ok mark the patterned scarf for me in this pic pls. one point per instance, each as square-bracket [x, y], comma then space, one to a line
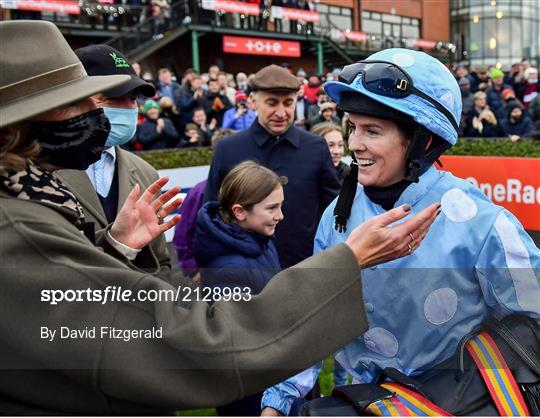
[32, 183]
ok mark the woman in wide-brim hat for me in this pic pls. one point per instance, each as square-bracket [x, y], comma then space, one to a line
[48, 121]
[86, 329]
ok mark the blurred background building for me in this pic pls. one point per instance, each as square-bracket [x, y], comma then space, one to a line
[193, 33]
[495, 32]
[329, 33]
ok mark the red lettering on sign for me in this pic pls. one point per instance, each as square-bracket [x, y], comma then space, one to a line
[513, 183]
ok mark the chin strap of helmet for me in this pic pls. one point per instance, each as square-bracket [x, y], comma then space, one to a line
[342, 210]
[418, 158]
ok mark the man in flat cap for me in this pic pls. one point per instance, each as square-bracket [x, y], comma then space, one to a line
[105, 185]
[275, 142]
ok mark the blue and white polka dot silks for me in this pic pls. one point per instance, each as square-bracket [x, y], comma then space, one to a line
[475, 260]
[428, 75]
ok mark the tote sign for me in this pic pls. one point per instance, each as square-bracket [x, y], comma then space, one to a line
[260, 46]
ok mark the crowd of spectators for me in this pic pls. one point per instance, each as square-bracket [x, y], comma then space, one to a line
[119, 14]
[262, 22]
[498, 103]
[162, 15]
[188, 109]
[168, 12]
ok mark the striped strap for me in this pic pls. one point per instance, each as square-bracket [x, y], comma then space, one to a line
[405, 403]
[497, 376]
[391, 407]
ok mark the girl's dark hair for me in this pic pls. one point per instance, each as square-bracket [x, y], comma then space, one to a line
[247, 184]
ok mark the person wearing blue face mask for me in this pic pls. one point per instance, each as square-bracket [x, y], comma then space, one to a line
[105, 185]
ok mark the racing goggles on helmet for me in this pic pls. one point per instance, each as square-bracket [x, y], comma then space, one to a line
[387, 79]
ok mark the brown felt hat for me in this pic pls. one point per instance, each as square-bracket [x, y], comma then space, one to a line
[40, 71]
[275, 78]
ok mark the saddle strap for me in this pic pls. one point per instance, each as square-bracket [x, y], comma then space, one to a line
[497, 376]
[405, 403]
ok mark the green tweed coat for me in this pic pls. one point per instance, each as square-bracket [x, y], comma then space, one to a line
[206, 356]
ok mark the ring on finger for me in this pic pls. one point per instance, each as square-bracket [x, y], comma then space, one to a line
[412, 237]
[160, 218]
[410, 247]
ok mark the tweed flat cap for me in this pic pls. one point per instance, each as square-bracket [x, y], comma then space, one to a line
[274, 78]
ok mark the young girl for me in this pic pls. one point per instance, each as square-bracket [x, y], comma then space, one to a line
[233, 242]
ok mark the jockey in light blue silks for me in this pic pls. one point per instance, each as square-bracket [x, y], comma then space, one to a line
[476, 260]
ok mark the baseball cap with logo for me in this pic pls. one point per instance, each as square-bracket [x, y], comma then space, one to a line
[105, 60]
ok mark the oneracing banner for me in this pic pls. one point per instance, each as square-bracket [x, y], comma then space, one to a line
[510, 182]
[260, 46]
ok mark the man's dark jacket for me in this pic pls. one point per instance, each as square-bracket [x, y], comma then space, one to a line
[151, 139]
[522, 127]
[184, 101]
[495, 100]
[302, 157]
[208, 101]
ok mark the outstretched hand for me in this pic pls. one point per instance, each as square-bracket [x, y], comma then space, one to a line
[140, 220]
[374, 241]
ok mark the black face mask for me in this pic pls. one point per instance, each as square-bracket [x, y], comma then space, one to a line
[73, 143]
